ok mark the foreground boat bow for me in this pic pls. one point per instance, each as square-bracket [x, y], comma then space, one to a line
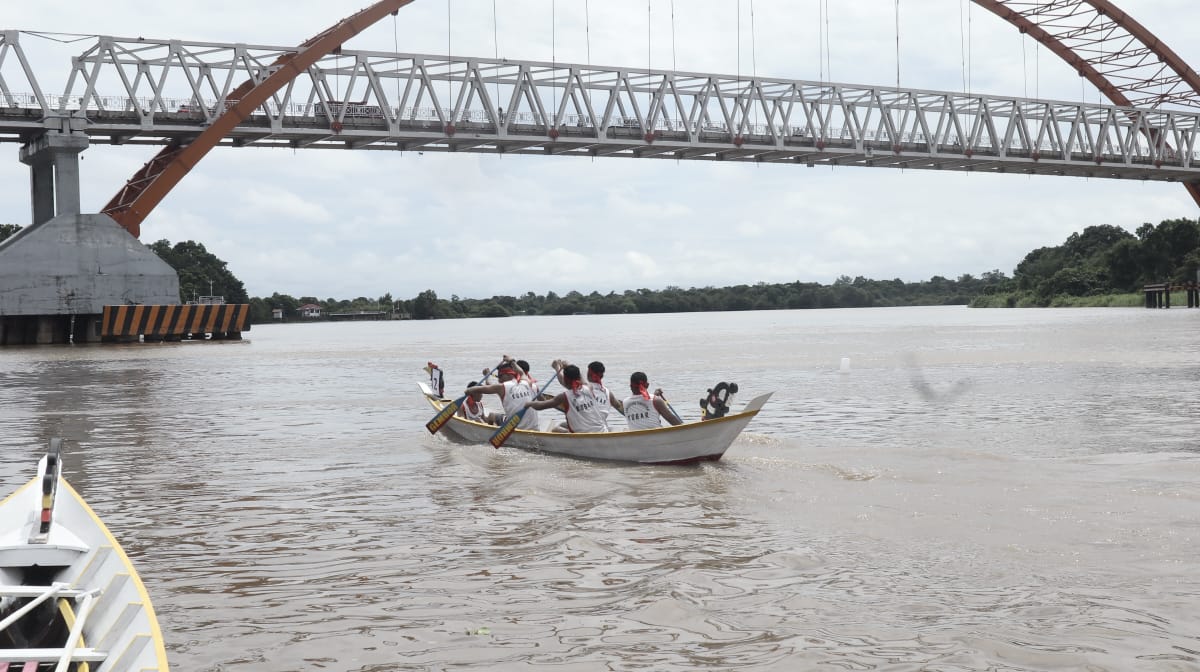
[69, 597]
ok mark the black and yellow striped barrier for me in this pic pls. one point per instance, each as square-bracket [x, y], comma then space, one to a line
[217, 321]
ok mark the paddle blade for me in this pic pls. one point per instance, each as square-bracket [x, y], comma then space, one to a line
[443, 416]
[501, 435]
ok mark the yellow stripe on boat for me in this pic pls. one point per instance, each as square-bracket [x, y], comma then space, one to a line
[156, 632]
[68, 614]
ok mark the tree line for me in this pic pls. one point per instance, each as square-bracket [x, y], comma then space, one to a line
[845, 292]
[1101, 260]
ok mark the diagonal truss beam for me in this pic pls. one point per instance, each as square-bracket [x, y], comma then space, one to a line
[154, 181]
[12, 53]
[378, 100]
[1109, 48]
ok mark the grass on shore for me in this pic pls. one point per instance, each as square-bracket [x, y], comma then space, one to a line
[1028, 300]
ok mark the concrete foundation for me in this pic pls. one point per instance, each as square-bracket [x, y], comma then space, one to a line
[58, 274]
[56, 277]
[49, 330]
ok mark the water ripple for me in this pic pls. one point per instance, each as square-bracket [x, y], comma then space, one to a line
[288, 511]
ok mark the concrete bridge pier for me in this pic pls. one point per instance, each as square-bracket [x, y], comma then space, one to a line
[58, 273]
[57, 276]
[53, 160]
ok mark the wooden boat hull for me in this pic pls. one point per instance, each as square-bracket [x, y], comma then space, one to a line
[681, 444]
[84, 580]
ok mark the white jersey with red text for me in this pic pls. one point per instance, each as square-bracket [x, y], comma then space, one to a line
[584, 412]
[603, 397]
[640, 413]
[516, 393]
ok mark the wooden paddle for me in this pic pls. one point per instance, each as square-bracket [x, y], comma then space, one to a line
[669, 406]
[510, 425]
[443, 416]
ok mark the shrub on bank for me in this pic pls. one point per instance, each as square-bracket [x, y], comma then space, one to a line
[1030, 300]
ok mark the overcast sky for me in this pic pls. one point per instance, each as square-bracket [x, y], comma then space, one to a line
[342, 224]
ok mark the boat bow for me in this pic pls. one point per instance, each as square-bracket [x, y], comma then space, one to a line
[68, 593]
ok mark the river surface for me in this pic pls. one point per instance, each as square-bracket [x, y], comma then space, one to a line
[977, 490]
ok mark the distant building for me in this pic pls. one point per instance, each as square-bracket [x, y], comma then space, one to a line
[310, 311]
[277, 314]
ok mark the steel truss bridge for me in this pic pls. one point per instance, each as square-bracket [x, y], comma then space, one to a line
[179, 93]
[137, 91]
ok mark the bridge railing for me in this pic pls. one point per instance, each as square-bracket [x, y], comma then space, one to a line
[359, 113]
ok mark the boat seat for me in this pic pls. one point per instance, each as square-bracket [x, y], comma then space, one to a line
[43, 556]
[69, 651]
[34, 591]
[26, 656]
[61, 548]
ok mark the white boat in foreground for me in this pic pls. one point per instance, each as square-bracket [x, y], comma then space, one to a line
[681, 444]
[70, 600]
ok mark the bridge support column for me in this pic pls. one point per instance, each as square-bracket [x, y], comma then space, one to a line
[53, 161]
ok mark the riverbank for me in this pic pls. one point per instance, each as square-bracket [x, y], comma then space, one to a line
[1029, 300]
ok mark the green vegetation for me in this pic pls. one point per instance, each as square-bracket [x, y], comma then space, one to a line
[200, 272]
[1104, 265]
[262, 307]
[843, 293]
[1063, 301]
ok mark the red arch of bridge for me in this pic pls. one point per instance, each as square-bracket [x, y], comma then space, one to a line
[154, 181]
[1181, 84]
[150, 185]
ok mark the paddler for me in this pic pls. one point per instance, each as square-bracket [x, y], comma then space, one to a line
[579, 400]
[513, 390]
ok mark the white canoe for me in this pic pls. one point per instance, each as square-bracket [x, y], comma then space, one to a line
[680, 444]
[69, 597]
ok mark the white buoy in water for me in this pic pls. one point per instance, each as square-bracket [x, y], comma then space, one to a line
[845, 365]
